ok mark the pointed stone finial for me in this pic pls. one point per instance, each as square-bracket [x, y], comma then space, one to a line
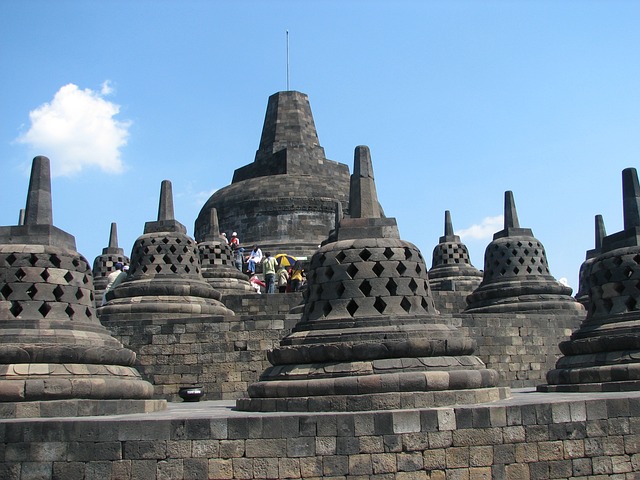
[165, 208]
[510, 213]
[448, 225]
[363, 198]
[21, 217]
[630, 198]
[214, 227]
[38, 210]
[600, 231]
[113, 236]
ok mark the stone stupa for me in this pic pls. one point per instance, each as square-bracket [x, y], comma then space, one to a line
[56, 359]
[603, 354]
[164, 279]
[218, 265]
[284, 201]
[369, 337]
[451, 267]
[516, 273]
[104, 264]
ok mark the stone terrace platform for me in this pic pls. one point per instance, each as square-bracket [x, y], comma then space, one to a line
[530, 436]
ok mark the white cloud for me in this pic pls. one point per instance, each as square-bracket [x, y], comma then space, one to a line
[484, 230]
[77, 129]
[201, 197]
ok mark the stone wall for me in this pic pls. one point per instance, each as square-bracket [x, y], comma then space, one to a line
[226, 354]
[223, 354]
[521, 347]
[540, 437]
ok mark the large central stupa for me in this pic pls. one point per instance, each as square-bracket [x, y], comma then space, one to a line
[285, 200]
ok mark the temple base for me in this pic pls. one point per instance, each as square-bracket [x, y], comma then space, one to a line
[78, 408]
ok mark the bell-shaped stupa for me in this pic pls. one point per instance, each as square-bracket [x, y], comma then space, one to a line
[516, 274]
[164, 278]
[451, 267]
[583, 290]
[284, 201]
[218, 262]
[104, 264]
[56, 359]
[369, 337]
[604, 353]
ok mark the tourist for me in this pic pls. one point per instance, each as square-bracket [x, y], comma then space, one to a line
[234, 242]
[269, 265]
[113, 280]
[224, 237]
[297, 276]
[254, 258]
[239, 258]
[283, 279]
[256, 283]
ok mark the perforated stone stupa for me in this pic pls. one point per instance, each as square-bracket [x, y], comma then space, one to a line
[451, 267]
[285, 200]
[369, 337]
[164, 278]
[104, 264]
[583, 279]
[604, 353]
[218, 265]
[56, 359]
[516, 273]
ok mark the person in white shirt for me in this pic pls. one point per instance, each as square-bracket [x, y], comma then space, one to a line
[254, 258]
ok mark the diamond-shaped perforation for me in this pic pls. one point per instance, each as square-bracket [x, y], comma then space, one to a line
[58, 292]
[413, 286]
[627, 271]
[365, 288]
[11, 258]
[20, 274]
[158, 268]
[75, 262]
[55, 260]
[424, 304]
[352, 307]
[340, 256]
[608, 304]
[418, 269]
[378, 269]
[32, 291]
[319, 291]
[173, 249]
[631, 304]
[329, 272]
[407, 253]
[178, 241]
[79, 294]
[388, 253]
[340, 289]
[392, 287]
[365, 254]
[619, 287]
[352, 270]
[379, 305]
[44, 309]
[69, 311]
[159, 249]
[15, 309]
[88, 312]
[6, 290]
[401, 268]
[45, 275]
[165, 240]
[405, 304]
[68, 277]
[326, 309]
[33, 259]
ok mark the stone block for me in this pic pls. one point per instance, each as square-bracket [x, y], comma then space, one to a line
[299, 447]
[457, 457]
[360, 465]
[325, 446]
[517, 472]
[169, 469]
[383, 463]
[60, 471]
[220, 469]
[268, 447]
[481, 456]
[231, 448]
[266, 468]
[289, 468]
[406, 421]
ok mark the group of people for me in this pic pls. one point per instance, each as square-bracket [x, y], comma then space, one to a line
[287, 278]
[115, 278]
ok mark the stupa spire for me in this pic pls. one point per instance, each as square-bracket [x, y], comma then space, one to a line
[630, 198]
[600, 231]
[448, 224]
[363, 197]
[21, 217]
[113, 236]
[510, 212]
[165, 207]
[38, 210]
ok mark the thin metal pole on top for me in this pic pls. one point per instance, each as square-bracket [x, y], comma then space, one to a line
[287, 60]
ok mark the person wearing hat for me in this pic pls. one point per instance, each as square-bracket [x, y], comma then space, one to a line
[114, 279]
[224, 237]
[234, 243]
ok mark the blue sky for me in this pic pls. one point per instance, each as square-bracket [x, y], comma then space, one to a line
[458, 101]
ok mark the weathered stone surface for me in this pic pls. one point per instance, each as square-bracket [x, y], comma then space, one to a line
[451, 268]
[53, 349]
[164, 279]
[602, 355]
[516, 274]
[285, 200]
[369, 337]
